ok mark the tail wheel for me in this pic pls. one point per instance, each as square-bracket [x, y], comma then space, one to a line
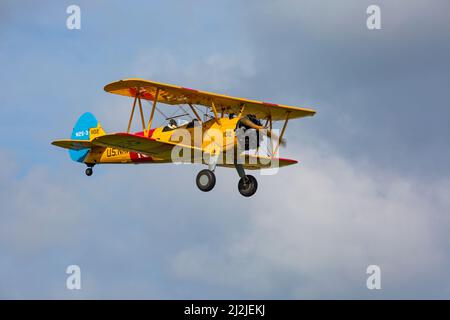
[206, 180]
[248, 185]
[89, 171]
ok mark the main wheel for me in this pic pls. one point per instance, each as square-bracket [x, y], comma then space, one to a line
[89, 172]
[206, 180]
[248, 185]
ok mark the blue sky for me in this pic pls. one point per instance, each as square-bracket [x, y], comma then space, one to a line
[371, 187]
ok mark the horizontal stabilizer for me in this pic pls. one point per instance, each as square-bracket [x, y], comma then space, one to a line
[73, 144]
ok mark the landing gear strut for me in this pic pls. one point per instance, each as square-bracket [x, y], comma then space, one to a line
[206, 180]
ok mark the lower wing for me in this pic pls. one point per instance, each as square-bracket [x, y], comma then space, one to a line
[255, 162]
[152, 147]
[133, 143]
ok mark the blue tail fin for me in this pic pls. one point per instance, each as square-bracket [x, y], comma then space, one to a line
[82, 131]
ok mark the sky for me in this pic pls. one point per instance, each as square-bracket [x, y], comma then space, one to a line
[371, 187]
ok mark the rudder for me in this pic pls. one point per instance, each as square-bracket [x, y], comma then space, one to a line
[87, 127]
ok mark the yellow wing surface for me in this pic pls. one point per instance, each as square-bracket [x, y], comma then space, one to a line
[133, 143]
[255, 162]
[173, 95]
[151, 147]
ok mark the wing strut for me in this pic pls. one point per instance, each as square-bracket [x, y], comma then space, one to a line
[281, 135]
[195, 112]
[270, 130]
[216, 116]
[149, 125]
[132, 113]
[142, 114]
[241, 110]
[137, 99]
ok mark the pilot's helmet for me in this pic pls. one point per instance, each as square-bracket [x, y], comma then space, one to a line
[172, 123]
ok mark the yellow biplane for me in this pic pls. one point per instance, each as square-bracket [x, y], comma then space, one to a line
[213, 129]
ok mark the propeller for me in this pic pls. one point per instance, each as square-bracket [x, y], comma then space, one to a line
[247, 122]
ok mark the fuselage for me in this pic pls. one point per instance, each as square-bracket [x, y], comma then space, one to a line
[210, 136]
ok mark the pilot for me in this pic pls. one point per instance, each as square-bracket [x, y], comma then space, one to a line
[172, 124]
[193, 123]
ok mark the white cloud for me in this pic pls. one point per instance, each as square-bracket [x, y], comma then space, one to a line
[309, 232]
[37, 210]
[345, 19]
[315, 229]
[207, 71]
[218, 72]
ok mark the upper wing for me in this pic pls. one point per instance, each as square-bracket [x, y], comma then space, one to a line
[171, 94]
[73, 144]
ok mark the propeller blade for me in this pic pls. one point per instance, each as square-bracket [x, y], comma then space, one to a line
[247, 122]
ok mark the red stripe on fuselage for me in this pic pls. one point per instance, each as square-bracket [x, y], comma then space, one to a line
[142, 134]
[139, 157]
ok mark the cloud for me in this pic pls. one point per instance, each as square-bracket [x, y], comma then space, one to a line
[220, 72]
[387, 87]
[378, 196]
[309, 232]
[312, 235]
[346, 19]
[214, 70]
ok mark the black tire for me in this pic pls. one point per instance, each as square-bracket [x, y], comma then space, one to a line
[89, 172]
[248, 185]
[206, 180]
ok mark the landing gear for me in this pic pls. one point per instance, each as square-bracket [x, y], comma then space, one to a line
[247, 185]
[206, 180]
[89, 170]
